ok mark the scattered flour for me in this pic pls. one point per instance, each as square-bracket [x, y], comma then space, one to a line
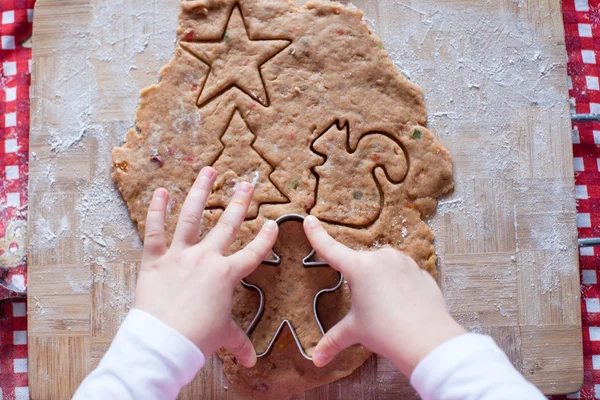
[487, 77]
[100, 69]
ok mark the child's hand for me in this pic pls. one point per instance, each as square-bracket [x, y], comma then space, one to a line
[190, 285]
[397, 308]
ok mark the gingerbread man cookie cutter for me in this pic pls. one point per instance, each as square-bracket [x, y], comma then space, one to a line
[286, 322]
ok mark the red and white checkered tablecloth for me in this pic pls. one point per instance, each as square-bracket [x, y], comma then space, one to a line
[582, 36]
[13, 352]
[16, 17]
[15, 71]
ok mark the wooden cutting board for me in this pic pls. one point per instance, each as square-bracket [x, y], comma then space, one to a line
[495, 83]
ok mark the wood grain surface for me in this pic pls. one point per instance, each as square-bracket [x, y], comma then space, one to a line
[494, 78]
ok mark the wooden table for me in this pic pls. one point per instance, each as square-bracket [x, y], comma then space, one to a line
[496, 88]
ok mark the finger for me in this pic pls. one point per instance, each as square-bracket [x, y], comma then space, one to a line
[223, 234]
[240, 346]
[333, 252]
[335, 340]
[246, 260]
[155, 244]
[190, 217]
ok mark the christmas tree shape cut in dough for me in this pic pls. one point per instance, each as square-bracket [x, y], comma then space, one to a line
[238, 144]
[235, 61]
[354, 169]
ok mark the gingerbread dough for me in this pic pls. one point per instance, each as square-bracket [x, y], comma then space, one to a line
[305, 104]
[289, 290]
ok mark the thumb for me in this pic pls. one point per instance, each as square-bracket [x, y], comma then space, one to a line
[338, 338]
[239, 344]
[333, 252]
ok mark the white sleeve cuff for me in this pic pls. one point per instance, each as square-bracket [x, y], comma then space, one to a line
[147, 360]
[160, 338]
[447, 358]
[470, 366]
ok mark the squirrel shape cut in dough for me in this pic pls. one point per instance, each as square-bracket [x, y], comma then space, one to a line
[360, 203]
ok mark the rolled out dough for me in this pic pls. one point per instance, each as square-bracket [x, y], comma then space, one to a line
[305, 104]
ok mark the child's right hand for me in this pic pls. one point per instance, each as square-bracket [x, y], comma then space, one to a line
[397, 310]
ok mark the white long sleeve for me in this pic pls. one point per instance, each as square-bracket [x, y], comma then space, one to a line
[151, 361]
[148, 360]
[470, 367]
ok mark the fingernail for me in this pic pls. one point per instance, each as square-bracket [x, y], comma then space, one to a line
[160, 193]
[319, 358]
[311, 220]
[252, 362]
[270, 225]
[245, 187]
[207, 172]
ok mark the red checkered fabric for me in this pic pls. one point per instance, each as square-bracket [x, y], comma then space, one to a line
[15, 70]
[582, 36]
[13, 351]
[586, 153]
[16, 17]
[583, 49]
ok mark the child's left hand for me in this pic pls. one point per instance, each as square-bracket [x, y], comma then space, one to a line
[190, 285]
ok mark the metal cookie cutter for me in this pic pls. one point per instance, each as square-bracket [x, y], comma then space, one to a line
[261, 308]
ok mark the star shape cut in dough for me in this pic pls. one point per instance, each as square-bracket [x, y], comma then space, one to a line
[234, 61]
